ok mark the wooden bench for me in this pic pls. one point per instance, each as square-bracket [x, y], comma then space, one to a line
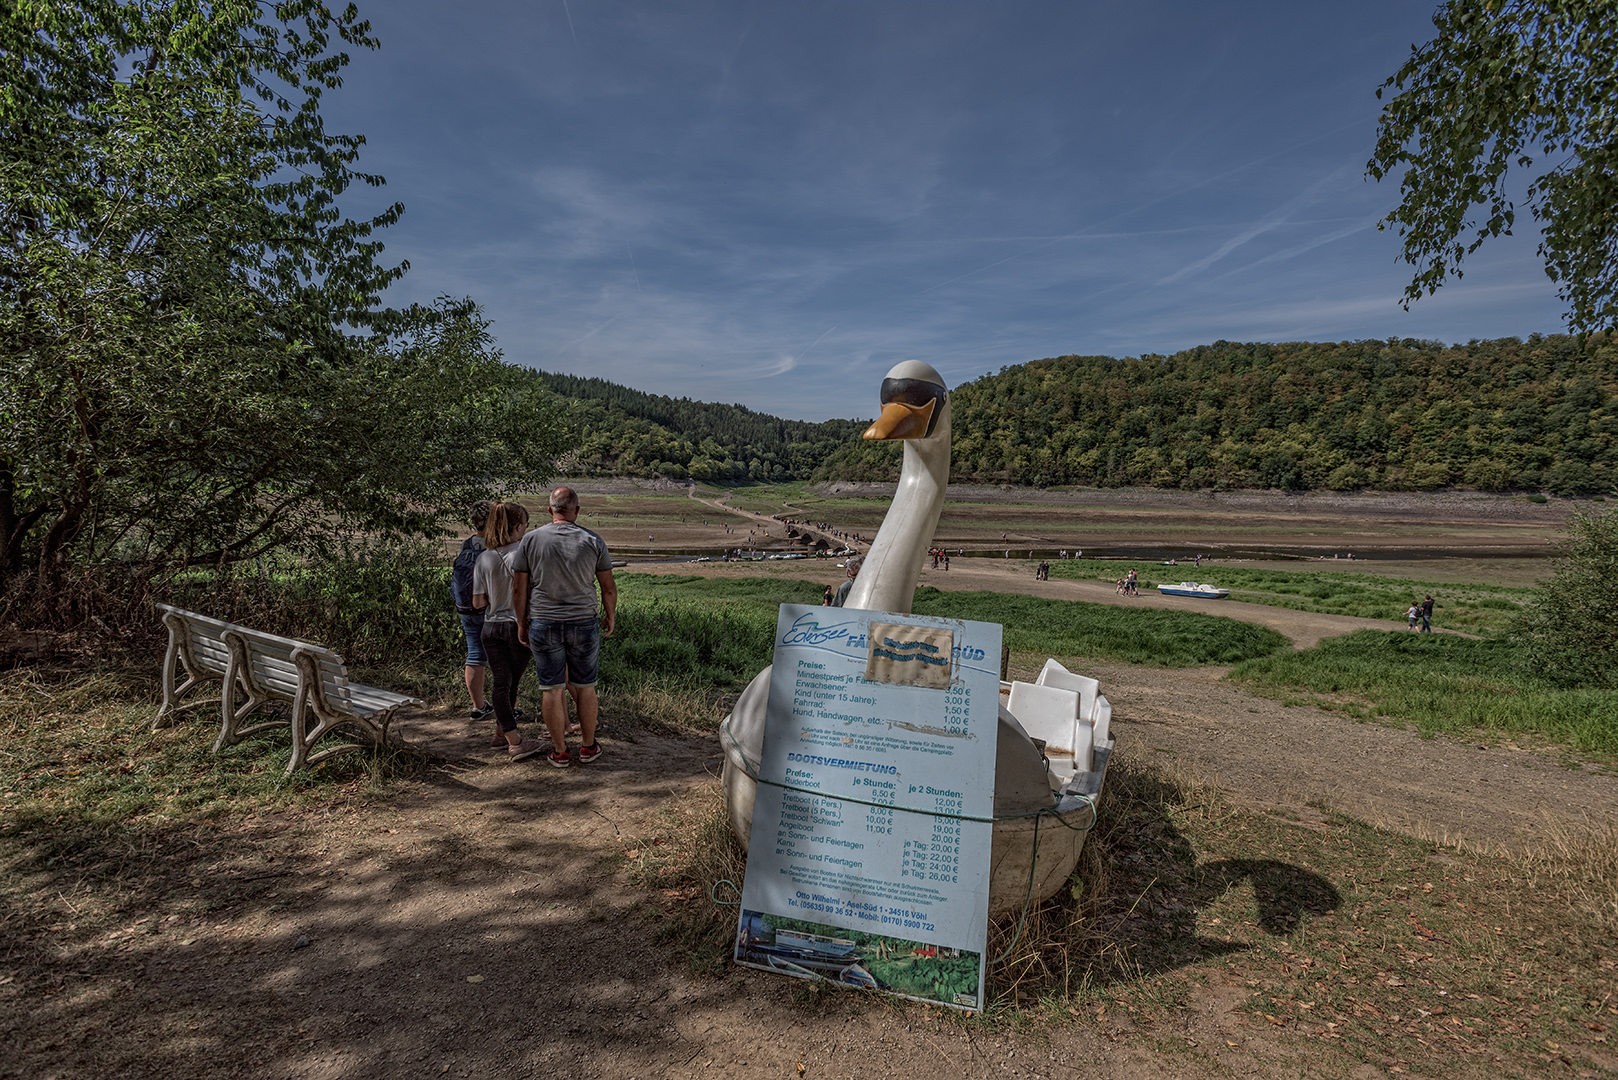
[254, 669]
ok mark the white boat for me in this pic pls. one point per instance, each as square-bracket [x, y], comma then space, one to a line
[1191, 588]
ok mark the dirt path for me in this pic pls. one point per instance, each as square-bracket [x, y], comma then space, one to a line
[1493, 795]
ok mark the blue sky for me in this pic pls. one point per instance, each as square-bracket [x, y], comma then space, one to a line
[772, 203]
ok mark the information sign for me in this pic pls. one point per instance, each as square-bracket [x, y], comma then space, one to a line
[868, 863]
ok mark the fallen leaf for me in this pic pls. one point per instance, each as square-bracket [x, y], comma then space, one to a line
[474, 978]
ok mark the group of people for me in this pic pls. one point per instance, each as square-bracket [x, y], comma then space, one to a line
[1129, 585]
[532, 595]
[940, 557]
[1042, 572]
[1420, 611]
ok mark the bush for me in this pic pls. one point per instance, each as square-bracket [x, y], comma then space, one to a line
[385, 604]
[1569, 632]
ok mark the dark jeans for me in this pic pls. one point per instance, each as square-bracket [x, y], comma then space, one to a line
[507, 659]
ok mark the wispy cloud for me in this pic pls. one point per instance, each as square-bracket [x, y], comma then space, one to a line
[1281, 215]
[1300, 249]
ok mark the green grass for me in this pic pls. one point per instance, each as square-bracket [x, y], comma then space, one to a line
[79, 749]
[1477, 609]
[1441, 683]
[1060, 628]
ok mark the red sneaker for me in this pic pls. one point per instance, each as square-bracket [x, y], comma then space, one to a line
[560, 760]
[589, 753]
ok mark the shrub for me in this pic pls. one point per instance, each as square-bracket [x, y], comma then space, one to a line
[1569, 632]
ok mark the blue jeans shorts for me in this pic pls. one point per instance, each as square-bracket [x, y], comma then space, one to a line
[565, 652]
[472, 630]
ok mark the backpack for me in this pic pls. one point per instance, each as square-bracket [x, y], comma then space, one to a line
[460, 578]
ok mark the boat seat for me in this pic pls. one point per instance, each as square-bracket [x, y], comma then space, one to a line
[1051, 715]
[1054, 674]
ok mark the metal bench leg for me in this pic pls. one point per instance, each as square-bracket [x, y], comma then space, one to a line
[176, 658]
[238, 678]
[313, 717]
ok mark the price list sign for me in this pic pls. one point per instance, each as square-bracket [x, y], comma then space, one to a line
[868, 863]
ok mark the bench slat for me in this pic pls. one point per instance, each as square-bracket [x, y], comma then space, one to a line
[373, 698]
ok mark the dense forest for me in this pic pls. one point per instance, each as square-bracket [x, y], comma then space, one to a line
[1540, 414]
[622, 432]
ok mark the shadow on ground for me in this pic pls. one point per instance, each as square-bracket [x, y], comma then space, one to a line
[476, 923]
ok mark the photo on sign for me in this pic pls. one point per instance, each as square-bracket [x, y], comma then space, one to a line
[810, 950]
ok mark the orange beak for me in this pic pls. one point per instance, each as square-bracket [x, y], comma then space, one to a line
[900, 421]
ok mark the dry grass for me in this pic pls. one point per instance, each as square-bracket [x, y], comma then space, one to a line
[692, 866]
[1581, 858]
[667, 706]
[1374, 946]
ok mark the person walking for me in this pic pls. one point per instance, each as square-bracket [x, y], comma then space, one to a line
[556, 570]
[507, 657]
[1427, 615]
[1412, 613]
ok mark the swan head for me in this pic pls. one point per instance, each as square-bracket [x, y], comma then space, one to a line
[914, 399]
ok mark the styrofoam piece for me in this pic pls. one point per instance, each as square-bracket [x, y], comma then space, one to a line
[1054, 674]
[1083, 744]
[1047, 713]
[1103, 725]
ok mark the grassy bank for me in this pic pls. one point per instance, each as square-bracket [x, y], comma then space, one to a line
[1440, 683]
[1475, 609]
[1060, 628]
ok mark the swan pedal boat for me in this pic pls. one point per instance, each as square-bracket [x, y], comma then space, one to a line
[1191, 588]
[1053, 737]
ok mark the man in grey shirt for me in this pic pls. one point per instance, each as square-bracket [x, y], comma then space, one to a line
[853, 565]
[555, 572]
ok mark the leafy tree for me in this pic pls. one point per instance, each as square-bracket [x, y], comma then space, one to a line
[1531, 83]
[197, 368]
[1399, 415]
[1570, 630]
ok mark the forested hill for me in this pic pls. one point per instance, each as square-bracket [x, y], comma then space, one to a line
[1493, 415]
[623, 432]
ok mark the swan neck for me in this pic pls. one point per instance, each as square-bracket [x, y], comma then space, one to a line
[887, 581]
